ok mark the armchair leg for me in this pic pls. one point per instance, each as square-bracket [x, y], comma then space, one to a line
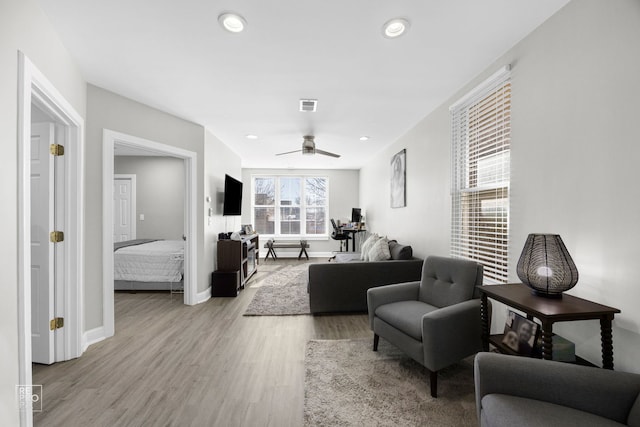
[434, 383]
[376, 340]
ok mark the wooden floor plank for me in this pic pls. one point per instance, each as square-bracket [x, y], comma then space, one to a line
[174, 365]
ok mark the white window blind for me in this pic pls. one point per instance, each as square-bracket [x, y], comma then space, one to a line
[481, 139]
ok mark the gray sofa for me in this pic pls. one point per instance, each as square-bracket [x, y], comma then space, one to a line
[521, 391]
[341, 285]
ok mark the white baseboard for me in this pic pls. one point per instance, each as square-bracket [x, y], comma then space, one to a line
[93, 336]
[203, 296]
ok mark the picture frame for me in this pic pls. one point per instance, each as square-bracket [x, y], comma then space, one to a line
[520, 334]
[398, 179]
[247, 229]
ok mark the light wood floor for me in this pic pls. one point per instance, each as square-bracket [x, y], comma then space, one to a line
[174, 365]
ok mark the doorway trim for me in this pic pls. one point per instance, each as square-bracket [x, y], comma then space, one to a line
[34, 87]
[110, 138]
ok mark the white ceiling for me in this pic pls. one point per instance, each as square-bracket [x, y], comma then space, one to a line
[174, 56]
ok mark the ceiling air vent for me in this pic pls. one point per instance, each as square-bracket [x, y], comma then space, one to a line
[308, 105]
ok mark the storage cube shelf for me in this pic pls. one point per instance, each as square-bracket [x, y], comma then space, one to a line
[237, 256]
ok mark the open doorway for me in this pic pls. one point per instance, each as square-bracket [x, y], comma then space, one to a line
[148, 222]
[111, 140]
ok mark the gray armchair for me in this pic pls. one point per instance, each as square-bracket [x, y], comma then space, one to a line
[436, 320]
[521, 391]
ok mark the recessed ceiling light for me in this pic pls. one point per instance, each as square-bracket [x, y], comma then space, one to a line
[251, 136]
[395, 28]
[364, 138]
[232, 22]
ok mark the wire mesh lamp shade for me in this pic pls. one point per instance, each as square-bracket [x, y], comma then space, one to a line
[546, 266]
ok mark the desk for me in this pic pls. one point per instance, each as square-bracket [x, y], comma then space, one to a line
[353, 231]
[548, 311]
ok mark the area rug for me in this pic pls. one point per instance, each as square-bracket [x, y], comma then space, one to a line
[348, 384]
[281, 277]
[283, 293]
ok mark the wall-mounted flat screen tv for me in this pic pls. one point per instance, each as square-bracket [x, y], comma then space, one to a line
[232, 204]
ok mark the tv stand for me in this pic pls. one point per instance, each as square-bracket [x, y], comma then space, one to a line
[239, 255]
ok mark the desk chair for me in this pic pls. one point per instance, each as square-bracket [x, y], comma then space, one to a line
[339, 235]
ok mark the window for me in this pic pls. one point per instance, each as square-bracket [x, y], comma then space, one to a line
[290, 205]
[481, 140]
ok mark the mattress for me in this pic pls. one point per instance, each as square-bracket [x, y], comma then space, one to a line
[155, 261]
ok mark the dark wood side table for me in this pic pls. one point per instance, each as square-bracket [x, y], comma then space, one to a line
[548, 311]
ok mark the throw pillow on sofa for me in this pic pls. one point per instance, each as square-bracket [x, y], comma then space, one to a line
[399, 251]
[367, 245]
[380, 250]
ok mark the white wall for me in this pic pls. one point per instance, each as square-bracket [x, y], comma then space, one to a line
[424, 222]
[575, 145]
[344, 194]
[160, 195]
[23, 27]
[220, 160]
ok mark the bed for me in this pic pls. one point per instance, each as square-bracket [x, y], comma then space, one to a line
[148, 264]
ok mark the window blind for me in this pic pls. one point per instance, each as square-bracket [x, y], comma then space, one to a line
[481, 140]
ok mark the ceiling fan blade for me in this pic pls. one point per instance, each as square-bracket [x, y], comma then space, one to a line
[289, 152]
[326, 153]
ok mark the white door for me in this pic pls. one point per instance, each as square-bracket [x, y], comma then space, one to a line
[124, 214]
[42, 250]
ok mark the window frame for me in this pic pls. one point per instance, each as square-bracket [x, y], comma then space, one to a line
[475, 234]
[277, 206]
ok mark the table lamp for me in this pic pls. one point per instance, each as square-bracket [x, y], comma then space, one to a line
[546, 266]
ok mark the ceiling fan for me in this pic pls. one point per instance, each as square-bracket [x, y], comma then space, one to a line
[309, 147]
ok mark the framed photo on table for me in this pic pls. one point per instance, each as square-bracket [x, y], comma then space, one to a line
[520, 333]
[247, 229]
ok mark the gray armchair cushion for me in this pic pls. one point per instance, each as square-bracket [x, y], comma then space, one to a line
[448, 281]
[501, 410]
[600, 392]
[388, 294]
[405, 316]
[399, 251]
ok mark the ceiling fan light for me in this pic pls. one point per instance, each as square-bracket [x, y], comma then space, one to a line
[308, 145]
[395, 28]
[232, 22]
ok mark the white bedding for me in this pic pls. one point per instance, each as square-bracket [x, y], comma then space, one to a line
[159, 261]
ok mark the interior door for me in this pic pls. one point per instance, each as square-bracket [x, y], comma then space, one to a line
[42, 250]
[123, 214]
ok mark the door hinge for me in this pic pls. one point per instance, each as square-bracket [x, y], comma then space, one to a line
[56, 236]
[56, 149]
[56, 323]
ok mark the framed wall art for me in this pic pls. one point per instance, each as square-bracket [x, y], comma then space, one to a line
[398, 179]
